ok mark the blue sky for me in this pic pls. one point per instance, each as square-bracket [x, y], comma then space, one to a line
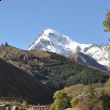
[22, 20]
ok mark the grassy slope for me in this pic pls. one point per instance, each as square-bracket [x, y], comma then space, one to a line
[79, 89]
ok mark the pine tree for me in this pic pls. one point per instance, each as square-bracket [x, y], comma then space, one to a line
[6, 44]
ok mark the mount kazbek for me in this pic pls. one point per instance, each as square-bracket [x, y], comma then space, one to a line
[53, 41]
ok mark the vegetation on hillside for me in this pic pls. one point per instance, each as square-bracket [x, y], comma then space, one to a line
[61, 74]
[92, 97]
[55, 71]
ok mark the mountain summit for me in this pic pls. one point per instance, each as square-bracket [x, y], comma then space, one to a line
[53, 41]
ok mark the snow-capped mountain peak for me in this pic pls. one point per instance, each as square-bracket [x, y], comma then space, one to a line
[53, 41]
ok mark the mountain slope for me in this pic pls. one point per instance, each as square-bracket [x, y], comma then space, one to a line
[53, 41]
[87, 60]
[53, 70]
[16, 82]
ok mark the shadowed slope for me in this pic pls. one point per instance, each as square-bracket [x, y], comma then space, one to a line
[15, 82]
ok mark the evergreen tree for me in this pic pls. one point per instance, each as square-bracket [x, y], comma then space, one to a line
[6, 44]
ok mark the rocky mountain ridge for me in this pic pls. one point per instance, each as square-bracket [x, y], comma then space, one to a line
[52, 41]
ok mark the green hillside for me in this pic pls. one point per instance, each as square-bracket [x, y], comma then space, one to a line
[55, 71]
